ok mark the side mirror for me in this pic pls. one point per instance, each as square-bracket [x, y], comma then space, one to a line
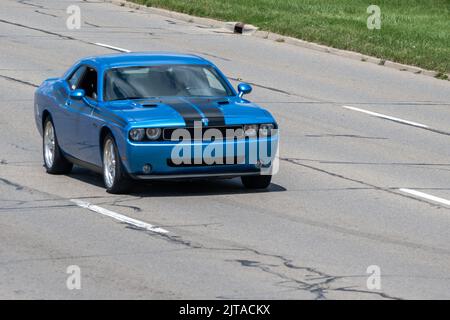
[77, 94]
[244, 88]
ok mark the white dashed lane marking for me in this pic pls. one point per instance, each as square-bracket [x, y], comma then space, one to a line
[426, 196]
[386, 117]
[118, 216]
[111, 47]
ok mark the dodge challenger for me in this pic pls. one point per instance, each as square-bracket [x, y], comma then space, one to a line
[144, 116]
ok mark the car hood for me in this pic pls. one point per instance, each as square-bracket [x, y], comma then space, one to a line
[181, 111]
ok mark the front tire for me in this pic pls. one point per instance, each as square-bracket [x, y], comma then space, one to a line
[115, 178]
[256, 182]
[54, 160]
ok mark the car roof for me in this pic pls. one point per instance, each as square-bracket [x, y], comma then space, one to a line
[142, 58]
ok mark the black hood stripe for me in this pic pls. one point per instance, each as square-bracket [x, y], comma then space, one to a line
[211, 110]
[196, 109]
[188, 112]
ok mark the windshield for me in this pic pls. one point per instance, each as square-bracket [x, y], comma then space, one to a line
[164, 81]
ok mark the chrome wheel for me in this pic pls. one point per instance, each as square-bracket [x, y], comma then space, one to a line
[49, 144]
[109, 163]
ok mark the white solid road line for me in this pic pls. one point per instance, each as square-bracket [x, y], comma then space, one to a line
[119, 217]
[425, 196]
[111, 47]
[383, 116]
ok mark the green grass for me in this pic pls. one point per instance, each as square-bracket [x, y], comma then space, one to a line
[415, 32]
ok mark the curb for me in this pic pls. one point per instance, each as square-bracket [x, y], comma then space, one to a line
[249, 30]
[344, 53]
[169, 14]
[233, 27]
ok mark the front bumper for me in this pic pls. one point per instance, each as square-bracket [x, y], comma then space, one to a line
[160, 156]
[195, 175]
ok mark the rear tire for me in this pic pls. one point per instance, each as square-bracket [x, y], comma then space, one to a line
[256, 182]
[115, 178]
[54, 160]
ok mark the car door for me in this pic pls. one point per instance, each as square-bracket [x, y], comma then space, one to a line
[87, 126]
[67, 114]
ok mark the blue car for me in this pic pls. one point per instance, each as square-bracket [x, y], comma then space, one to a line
[145, 116]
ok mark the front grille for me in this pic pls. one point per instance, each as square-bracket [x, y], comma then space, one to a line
[223, 161]
[167, 133]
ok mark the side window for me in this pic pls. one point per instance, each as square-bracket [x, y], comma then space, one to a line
[76, 76]
[89, 83]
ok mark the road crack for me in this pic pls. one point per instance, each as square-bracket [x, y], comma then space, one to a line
[312, 280]
[19, 81]
[59, 35]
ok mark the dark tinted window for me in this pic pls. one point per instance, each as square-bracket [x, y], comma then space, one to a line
[89, 83]
[75, 77]
[163, 81]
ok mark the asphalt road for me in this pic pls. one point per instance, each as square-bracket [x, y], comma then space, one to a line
[336, 207]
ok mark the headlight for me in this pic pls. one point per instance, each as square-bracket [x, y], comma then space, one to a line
[153, 133]
[137, 134]
[250, 130]
[266, 129]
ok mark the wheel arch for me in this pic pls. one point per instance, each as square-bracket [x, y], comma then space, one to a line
[119, 142]
[45, 114]
[104, 131]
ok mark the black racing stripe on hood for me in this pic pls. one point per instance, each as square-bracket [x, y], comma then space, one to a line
[188, 112]
[211, 110]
